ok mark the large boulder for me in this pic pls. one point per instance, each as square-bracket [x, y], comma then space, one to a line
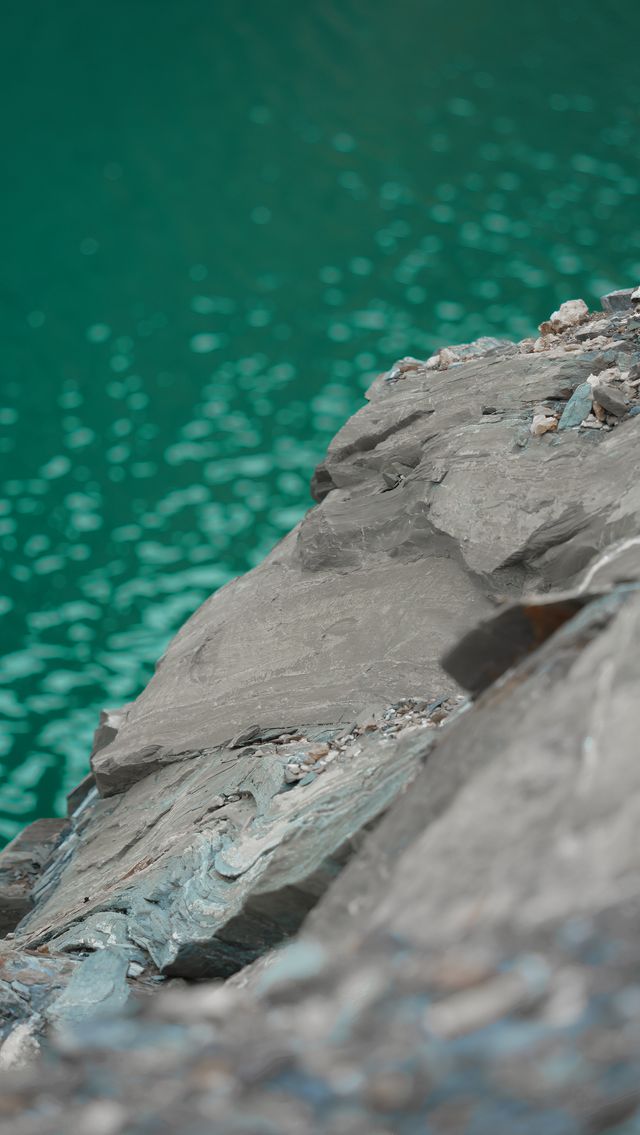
[434, 498]
[408, 737]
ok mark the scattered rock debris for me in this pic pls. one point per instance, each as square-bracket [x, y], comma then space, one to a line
[308, 760]
[612, 391]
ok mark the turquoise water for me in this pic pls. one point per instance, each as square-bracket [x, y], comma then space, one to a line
[220, 221]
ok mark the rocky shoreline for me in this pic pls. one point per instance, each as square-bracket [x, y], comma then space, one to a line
[380, 795]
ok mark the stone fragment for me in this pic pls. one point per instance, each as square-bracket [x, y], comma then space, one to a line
[317, 750]
[617, 301]
[447, 357]
[28, 982]
[591, 330]
[635, 296]
[542, 424]
[98, 987]
[612, 399]
[109, 723]
[604, 360]
[404, 367]
[251, 733]
[20, 1048]
[484, 347]
[577, 408]
[545, 763]
[568, 315]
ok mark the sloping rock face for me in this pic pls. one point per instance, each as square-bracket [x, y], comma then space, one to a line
[463, 871]
[434, 498]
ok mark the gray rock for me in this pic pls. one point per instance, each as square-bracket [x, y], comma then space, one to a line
[97, 987]
[463, 881]
[592, 330]
[28, 983]
[617, 301]
[611, 398]
[483, 347]
[108, 726]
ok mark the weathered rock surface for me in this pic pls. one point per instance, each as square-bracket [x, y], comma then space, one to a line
[355, 606]
[474, 967]
[196, 882]
[463, 875]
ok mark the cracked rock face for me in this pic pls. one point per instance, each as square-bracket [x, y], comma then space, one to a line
[304, 757]
[473, 968]
[204, 865]
[356, 605]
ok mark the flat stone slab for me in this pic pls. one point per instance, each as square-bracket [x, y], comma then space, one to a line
[357, 604]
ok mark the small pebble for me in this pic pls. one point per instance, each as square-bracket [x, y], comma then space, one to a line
[318, 750]
[542, 424]
[446, 357]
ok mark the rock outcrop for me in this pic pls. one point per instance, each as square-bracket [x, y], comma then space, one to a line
[407, 745]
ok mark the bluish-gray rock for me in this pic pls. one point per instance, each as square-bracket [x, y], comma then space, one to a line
[577, 408]
[610, 397]
[98, 986]
[173, 875]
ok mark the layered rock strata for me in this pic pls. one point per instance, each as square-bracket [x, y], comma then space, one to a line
[410, 736]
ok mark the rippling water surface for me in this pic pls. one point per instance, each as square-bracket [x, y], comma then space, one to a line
[221, 219]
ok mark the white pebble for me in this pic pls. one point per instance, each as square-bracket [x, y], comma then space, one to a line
[542, 424]
[568, 314]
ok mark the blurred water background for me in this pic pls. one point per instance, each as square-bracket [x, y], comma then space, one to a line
[221, 219]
